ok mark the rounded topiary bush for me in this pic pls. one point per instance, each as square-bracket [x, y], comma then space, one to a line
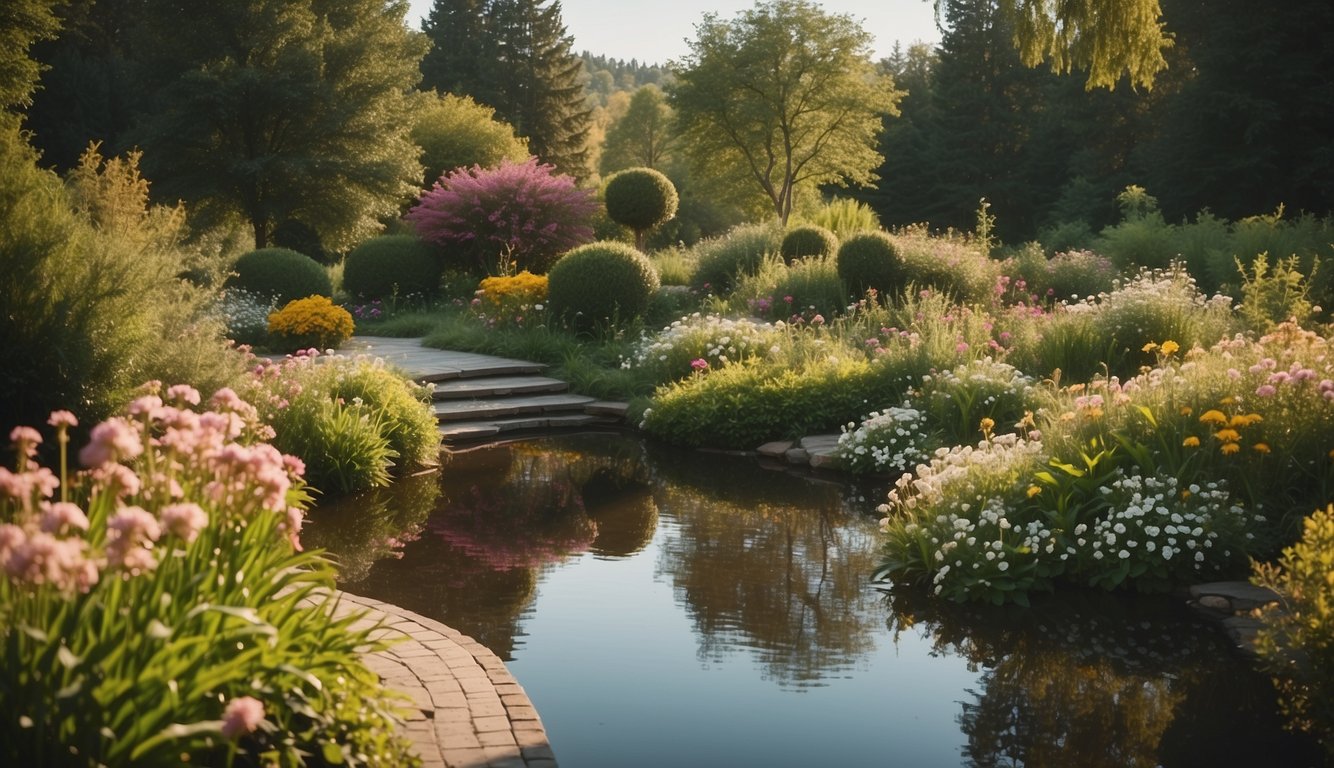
[870, 260]
[808, 240]
[281, 274]
[641, 199]
[601, 282]
[391, 265]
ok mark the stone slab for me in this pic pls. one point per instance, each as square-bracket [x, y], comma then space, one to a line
[775, 450]
[490, 408]
[1243, 595]
[497, 386]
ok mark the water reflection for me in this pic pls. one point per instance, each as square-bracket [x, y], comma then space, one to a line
[693, 581]
[1102, 680]
[770, 562]
[364, 529]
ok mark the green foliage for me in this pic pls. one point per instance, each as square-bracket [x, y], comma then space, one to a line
[956, 401]
[91, 303]
[642, 136]
[676, 266]
[457, 132]
[351, 421]
[1108, 39]
[174, 609]
[391, 265]
[777, 291]
[225, 82]
[722, 262]
[601, 283]
[301, 237]
[844, 217]
[871, 261]
[641, 199]
[807, 240]
[1296, 642]
[282, 274]
[785, 94]
[1273, 294]
[23, 23]
[948, 264]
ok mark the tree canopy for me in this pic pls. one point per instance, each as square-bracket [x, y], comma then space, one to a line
[282, 110]
[642, 136]
[786, 95]
[22, 23]
[457, 132]
[515, 56]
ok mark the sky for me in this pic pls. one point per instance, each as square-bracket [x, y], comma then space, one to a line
[656, 32]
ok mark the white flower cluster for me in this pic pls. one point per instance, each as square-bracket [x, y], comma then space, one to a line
[892, 440]
[246, 313]
[713, 338]
[1173, 530]
[977, 388]
[965, 476]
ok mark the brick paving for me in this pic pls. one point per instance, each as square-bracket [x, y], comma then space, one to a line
[467, 710]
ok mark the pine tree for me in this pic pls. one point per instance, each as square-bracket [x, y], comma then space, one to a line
[522, 65]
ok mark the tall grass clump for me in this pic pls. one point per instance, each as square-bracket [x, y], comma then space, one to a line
[844, 217]
[157, 607]
[946, 264]
[722, 262]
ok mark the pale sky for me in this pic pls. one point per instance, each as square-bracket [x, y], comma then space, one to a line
[656, 32]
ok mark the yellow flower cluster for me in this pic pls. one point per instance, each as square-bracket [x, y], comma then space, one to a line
[1226, 430]
[523, 288]
[314, 319]
[1167, 348]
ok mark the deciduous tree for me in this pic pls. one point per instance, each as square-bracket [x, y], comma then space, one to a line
[642, 136]
[786, 95]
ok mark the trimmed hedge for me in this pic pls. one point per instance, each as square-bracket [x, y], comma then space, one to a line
[280, 273]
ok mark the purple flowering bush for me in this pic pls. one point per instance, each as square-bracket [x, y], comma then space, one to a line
[510, 217]
[156, 606]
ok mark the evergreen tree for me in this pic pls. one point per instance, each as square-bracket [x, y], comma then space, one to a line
[456, 29]
[273, 110]
[22, 23]
[524, 68]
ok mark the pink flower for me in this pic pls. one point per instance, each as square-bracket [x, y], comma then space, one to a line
[699, 364]
[961, 347]
[817, 320]
[183, 393]
[26, 439]
[60, 515]
[62, 419]
[112, 440]
[184, 520]
[1265, 390]
[130, 533]
[242, 716]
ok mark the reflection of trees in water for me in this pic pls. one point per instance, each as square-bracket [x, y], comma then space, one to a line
[1102, 680]
[507, 512]
[768, 562]
[359, 530]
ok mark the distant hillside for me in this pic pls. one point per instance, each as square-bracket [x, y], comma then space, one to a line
[607, 76]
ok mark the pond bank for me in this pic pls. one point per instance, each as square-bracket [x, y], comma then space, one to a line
[466, 708]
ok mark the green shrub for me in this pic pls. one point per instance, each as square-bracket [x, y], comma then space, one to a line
[641, 199]
[601, 283]
[391, 265]
[675, 265]
[722, 262]
[947, 264]
[1076, 275]
[1296, 643]
[806, 288]
[806, 240]
[311, 322]
[870, 261]
[280, 273]
[352, 421]
[956, 401]
[153, 610]
[1273, 294]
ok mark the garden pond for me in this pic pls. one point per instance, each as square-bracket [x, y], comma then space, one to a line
[669, 608]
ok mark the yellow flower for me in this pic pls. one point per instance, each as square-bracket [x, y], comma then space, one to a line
[1260, 447]
[1185, 495]
[1169, 347]
[1033, 490]
[1191, 442]
[1186, 410]
[1229, 400]
[1228, 448]
[1227, 435]
[1151, 346]
[1213, 416]
[987, 425]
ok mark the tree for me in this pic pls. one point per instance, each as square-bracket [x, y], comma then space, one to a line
[22, 23]
[785, 94]
[642, 137]
[457, 132]
[641, 199]
[523, 67]
[277, 110]
[1108, 38]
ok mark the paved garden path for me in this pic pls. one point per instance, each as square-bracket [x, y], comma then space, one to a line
[467, 711]
[480, 397]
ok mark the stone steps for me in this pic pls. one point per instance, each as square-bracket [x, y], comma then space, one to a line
[500, 407]
[485, 386]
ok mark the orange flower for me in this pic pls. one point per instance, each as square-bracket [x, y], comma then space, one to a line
[1260, 447]
[1227, 435]
[1033, 490]
[1229, 448]
[1151, 346]
[1186, 410]
[1169, 347]
[1191, 442]
[1213, 416]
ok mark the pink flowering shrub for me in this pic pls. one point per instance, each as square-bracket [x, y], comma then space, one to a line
[156, 606]
[513, 216]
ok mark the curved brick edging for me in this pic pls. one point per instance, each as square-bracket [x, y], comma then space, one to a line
[467, 709]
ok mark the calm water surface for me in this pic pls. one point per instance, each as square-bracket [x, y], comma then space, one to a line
[666, 608]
